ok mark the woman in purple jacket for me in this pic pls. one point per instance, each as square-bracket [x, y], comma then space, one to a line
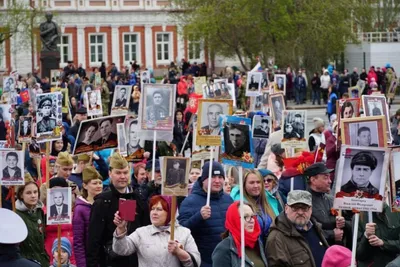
[92, 186]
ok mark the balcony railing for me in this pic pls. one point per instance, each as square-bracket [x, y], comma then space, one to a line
[379, 37]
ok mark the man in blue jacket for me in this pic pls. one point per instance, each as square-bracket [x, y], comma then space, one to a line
[206, 223]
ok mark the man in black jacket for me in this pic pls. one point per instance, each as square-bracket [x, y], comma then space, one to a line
[336, 229]
[102, 227]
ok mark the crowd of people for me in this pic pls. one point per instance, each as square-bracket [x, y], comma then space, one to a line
[284, 225]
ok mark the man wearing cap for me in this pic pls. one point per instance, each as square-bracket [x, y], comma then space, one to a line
[47, 123]
[319, 185]
[295, 238]
[298, 125]
[101, 226]
[263, 129]
[362, 166]
[206, 222]
[80, 116]
[13, 231]
[76, 177]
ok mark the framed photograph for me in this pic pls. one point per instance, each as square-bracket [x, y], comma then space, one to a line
[198, 84]
[376, 105]
[122, 147]
[12, 168]
[134, 146]
[175, 176]
[97, 134]
[277, 105]
[256, 103]
[361, 178]
[237, 144]
[59, 202]
[219, 90]
[348, 108]
[394, 167]
[48, 117]
[261, 126]
[94, 106]
[392, 88]
[208, 121]
[294, 128]
[54, 76]
[25, 129]
[157, 107]
[9, 83]
[280, 83]
[202, 153]
[5, 117]
[145, 77]
[97, 79]
[354, 91]
[365, 131]
[254, 82]
[120, 104]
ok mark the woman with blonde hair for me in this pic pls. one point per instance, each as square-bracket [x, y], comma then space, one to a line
[255, 195]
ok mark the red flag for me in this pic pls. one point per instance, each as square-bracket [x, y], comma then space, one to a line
[24, 96]
[193, 103]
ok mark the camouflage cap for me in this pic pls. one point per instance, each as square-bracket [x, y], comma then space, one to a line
[117, 161]
[90, 173]
[299, 196]
[84, 157]
[28, 177]
[64, 159]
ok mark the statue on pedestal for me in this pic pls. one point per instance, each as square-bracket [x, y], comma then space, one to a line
[50, 34]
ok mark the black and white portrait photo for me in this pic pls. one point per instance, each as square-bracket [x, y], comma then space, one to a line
[376, 105]
[175, 176]
[12, 167]
[121, 139]
[280, 83]
[277, 105]
[54, 76]
[120, 104]
[157, 107]
[237, 139]
[253, 83]
[362, 175]
[364, 134]
[93, 100]
[5, 116]
[49, 115]
[294, 126]
[145, 77]
[25, 129]
[9, 84]
[395, 178]
[59, 202]
[97, 134]
[134, 148]
[261, 126]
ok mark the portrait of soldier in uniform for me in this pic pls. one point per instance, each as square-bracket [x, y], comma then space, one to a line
[46, 120]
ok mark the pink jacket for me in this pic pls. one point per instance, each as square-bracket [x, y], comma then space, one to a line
[51, 235]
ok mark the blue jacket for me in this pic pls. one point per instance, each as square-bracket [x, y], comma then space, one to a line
[331, 108]
[299, 83]
[299, 184]
[206, 233]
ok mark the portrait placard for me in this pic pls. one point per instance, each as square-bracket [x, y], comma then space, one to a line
[97, 134]
[354, 91]
[93, 102]
[254, 83]
[25, 129]
[361, 178]
[202, 153]
[9, 84]
[12, 167]
[366, 131]
[65, 99]
[122, 96]
[220, 90]
[54, 76]
[175, 177]
[198, 84]
[395, 178]
[208, 121]
[145, 77]
[121, 139]
[59, 202]
[280, 83]
[48, 117]
[5, 116]
[261, 126]
[376, 105]
[134, 145]
[294, 129]
[277, 105]
[237, 144]
[392, 88]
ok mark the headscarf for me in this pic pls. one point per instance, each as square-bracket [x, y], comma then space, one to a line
[232, 224]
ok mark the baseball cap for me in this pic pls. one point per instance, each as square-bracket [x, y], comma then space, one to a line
[299, 196]
[317, 168]
[81, 110]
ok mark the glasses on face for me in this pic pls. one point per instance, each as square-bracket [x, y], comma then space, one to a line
[269, 180]
[249, 217]
[301, 207]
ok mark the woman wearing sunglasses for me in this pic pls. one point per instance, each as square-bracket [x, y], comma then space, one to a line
[271, 183]
[228, 252]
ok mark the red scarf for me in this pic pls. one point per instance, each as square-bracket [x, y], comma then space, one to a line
[232, 224]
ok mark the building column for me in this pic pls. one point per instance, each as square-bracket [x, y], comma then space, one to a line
[81, 45]
[115, 45]
[148, 41]
[181, 45]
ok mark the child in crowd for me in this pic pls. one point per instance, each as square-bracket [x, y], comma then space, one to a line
[66, 252]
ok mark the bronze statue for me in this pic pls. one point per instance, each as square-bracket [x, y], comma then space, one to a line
[49, 34]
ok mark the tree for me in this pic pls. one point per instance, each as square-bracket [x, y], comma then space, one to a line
[296, 32]
[387, 13]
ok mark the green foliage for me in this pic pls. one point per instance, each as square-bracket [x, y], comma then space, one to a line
[296, 32]
[387, 13]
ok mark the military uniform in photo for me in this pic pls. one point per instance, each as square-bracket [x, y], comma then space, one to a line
[155, 113]
[175, 177]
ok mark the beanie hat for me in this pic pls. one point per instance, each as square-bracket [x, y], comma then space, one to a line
[318, 122]
[337, 256]
[65, 245]
[58, 181]
[217, 169]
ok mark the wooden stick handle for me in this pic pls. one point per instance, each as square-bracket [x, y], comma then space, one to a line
[59, 245]
[47, 164]
[12, 188]
[173, 209]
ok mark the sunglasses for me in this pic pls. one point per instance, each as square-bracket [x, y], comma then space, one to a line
[269, 180]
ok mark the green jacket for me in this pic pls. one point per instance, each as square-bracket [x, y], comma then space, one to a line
[387, 229]
[33, 246]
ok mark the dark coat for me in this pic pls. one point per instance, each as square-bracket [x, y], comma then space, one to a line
[10, 257]
[80, 226]
[350, 187]
[102, 227]
[111, 137]
[17, 173]
[226, 254]
[53, 211]
[206, 233]
[287, 247]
